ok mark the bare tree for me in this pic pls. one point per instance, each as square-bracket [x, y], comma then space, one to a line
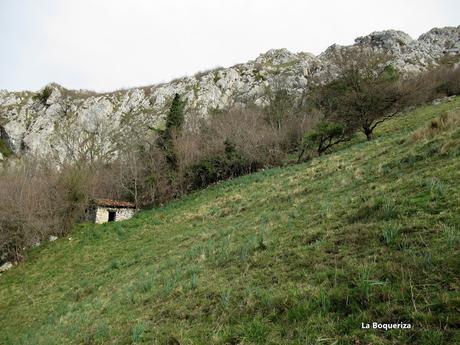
[73, 144]
[28, 205]
[281, 104]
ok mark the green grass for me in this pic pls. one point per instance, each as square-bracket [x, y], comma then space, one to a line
[296, 255]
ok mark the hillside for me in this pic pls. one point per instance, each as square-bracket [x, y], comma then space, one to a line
[295, 255]
[53, 119]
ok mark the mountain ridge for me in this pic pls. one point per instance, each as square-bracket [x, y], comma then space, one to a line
[32, 123]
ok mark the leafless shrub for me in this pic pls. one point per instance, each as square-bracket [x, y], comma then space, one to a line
[38, 200]
[434, 83]
[79, 94]
[248, 130]
[295, 127]
[200, 74]
[24, 210]
[73, 144]
[281, 104]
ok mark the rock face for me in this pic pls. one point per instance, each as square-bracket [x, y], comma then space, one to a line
[58, 122]
[5, 267]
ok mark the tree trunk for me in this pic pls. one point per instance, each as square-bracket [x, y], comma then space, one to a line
[368, 132]
[301, 154]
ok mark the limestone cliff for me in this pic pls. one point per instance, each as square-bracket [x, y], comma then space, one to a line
[55, 120]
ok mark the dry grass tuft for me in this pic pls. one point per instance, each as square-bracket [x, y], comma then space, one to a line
[443, 123]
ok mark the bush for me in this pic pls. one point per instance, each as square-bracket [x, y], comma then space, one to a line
[447, 81]
[281, 105]
[451, 86]
[294, 129]
[43, 95]
[435, 83]
[221, 167]
[249, 132]
[325, 135]
[27, 204]
[73, 196]
[37, 201]
[246, 131]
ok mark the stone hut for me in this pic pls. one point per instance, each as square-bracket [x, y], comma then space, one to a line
[107, 210]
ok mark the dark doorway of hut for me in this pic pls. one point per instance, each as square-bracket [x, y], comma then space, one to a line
[112, 216]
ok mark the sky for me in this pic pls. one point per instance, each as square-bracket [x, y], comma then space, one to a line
[105, 45]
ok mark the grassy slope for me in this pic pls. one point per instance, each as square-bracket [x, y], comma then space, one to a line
[299, 255]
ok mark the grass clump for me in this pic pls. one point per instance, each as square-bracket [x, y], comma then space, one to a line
[378, 209]
[137, 333]
[390, 234]
[444, 122]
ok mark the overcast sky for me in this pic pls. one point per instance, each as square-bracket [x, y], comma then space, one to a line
[109, 44]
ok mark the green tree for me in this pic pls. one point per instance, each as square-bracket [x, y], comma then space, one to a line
[365, 93]
[175, 116]
[174, 122]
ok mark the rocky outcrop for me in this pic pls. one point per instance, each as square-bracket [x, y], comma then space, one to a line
[58, 122]
[5, 267]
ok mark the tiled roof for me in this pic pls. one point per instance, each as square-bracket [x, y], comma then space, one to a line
[114, 203]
